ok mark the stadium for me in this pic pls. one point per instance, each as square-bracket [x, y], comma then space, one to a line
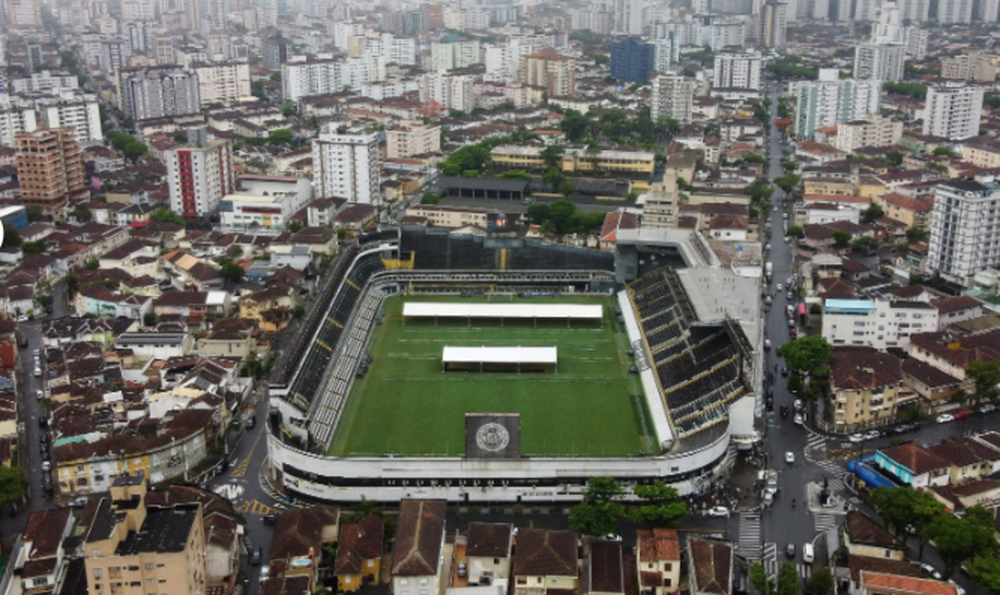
[499, 369]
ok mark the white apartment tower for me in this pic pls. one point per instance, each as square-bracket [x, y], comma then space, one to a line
[879, 61]
[672, 97]
[830, 100]
[226, 83]
[737, 71]
[773, 24]
[964, 221]
[915, 11]
[346, 164]
[988, 11]
[954, 12]
[952, 110]
[628, 17]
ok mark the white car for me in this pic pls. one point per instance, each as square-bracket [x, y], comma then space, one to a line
[945, 418]
[930, 570]
[718, 511]
[778, 286]
[855, 438]
[958, 588]
[790, 457]
[798, 419]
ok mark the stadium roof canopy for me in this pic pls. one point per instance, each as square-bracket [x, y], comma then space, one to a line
[499, 355]
[527, 311]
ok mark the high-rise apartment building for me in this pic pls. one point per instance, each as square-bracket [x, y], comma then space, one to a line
[879, 61]
[199, 176]
[632, 60]
[952, 110]
[964, 221]
[454, 91]
[831, 100]
[276, 50]
[24, 14]
[226, 82]
[159, 91]
[989, 11]
[132, 548]
[665, 53]
[874, 131]
[914, 11]
[346, 164]
[773, 24]
[50, 168]
[954, 12]
[628, 17]
[71, 109]
[672, 97]
[723, 33]
[551, 70]
[737, 70]
[323, 77]
[971, 67]
[915, 42]
[460, 54]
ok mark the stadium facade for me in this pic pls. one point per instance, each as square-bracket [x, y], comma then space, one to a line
[693, 325]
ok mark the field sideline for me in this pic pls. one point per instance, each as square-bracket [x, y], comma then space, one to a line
[407, 405]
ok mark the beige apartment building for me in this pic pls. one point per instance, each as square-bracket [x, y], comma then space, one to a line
[50, 168]
[132, 549]
[976, 67]
[984, 154]
[551, 70]
[874, 131]
[410, 140]
[225, 83]
[866, 384]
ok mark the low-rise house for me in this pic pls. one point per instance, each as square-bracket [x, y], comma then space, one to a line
[359, 553]
[866, 387]
[192, 270]
[873, 583]
[984, 492]
[913, 465]
[488, 550]
[418, 555]
[970, 460]
[147, 345]
[933, 385]
[605, 569]
[40, 561]
[856, 564]
[957, 309]
[299, 537]
[879, 324]
[230, 339]
[864, 537]
[953, 353]
[545, 560]
[711, 563]
[658, 558]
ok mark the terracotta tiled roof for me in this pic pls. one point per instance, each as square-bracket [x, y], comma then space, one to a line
[907, 584]
[863, 529]
[545, 553]
[658, 544]
[44, 531]
[954, 304]
[927, 374]
[915, 458]
[883, 565]
[857, 368]
[713, 565]
[359, 542]
[418, 537]
[489, 540]
[606, 567]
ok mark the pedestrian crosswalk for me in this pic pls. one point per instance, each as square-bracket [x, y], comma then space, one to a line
[749, 543]
[805, 570]
[815, 447]
[834, 474]
[824, 521]
[770, 560]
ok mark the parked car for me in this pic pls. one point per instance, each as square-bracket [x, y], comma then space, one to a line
[958, 588]
[80, 502]
[945, 418]
[462, 568]
[265, 573]
[856, 438]
[784, 370]
[257, 557]
[718, 511]
[790, 550]
[767, 344]
[873, 434]
[987, 408]
[789, 457]
[778, 286]
[799, 419]
[960, 414]
[798, 404]
[930, 570]
[270, 519]
[784, 411]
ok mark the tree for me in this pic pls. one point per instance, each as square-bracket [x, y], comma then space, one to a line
[288, 110]
[872, 214]
[252, 365]
[72, 283]
[430, 198]
[552, 155]
[11, 237]
[165, 215]
[295, 227]
[943, 152]
[297, 312]
[789, 166]
[794, 231]
[230, 271]
[600, 510]
[841, 239]
[753, 158]
[788, 580]
[81, 213]
[13, 482]
[149, 319]
[809, 354]
[960, 540]
[516, 174]
[554, 178]
[574, 125]
[35, 213]
[92, 264]
[821, 581]
[662, 506]
[33, 247]
[758, 578]
[915, 235]
[130, 147]
[567, 188]
[759, 190]
[787, 183]
[985, 571]
[986, 375]
[282, 136]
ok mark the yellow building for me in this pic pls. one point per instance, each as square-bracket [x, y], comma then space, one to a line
[982, 155]
[911, 211]
[132, 549]
[864, 537]
[359, 553]
[828, 186]
[866, 384]
[575, 160]
[545, 560]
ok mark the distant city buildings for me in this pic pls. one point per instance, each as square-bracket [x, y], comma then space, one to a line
[551, 70]
[50, 169]
[963, 229]
[737, 70]
[159, 91]
[830, 100]
[773, 25]
[879, 61]
[199, 176]
[306, 78]
[952, 110]
[976, 67]
[346, 164]
[672, 97]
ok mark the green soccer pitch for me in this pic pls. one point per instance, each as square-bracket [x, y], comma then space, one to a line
[406, 405]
